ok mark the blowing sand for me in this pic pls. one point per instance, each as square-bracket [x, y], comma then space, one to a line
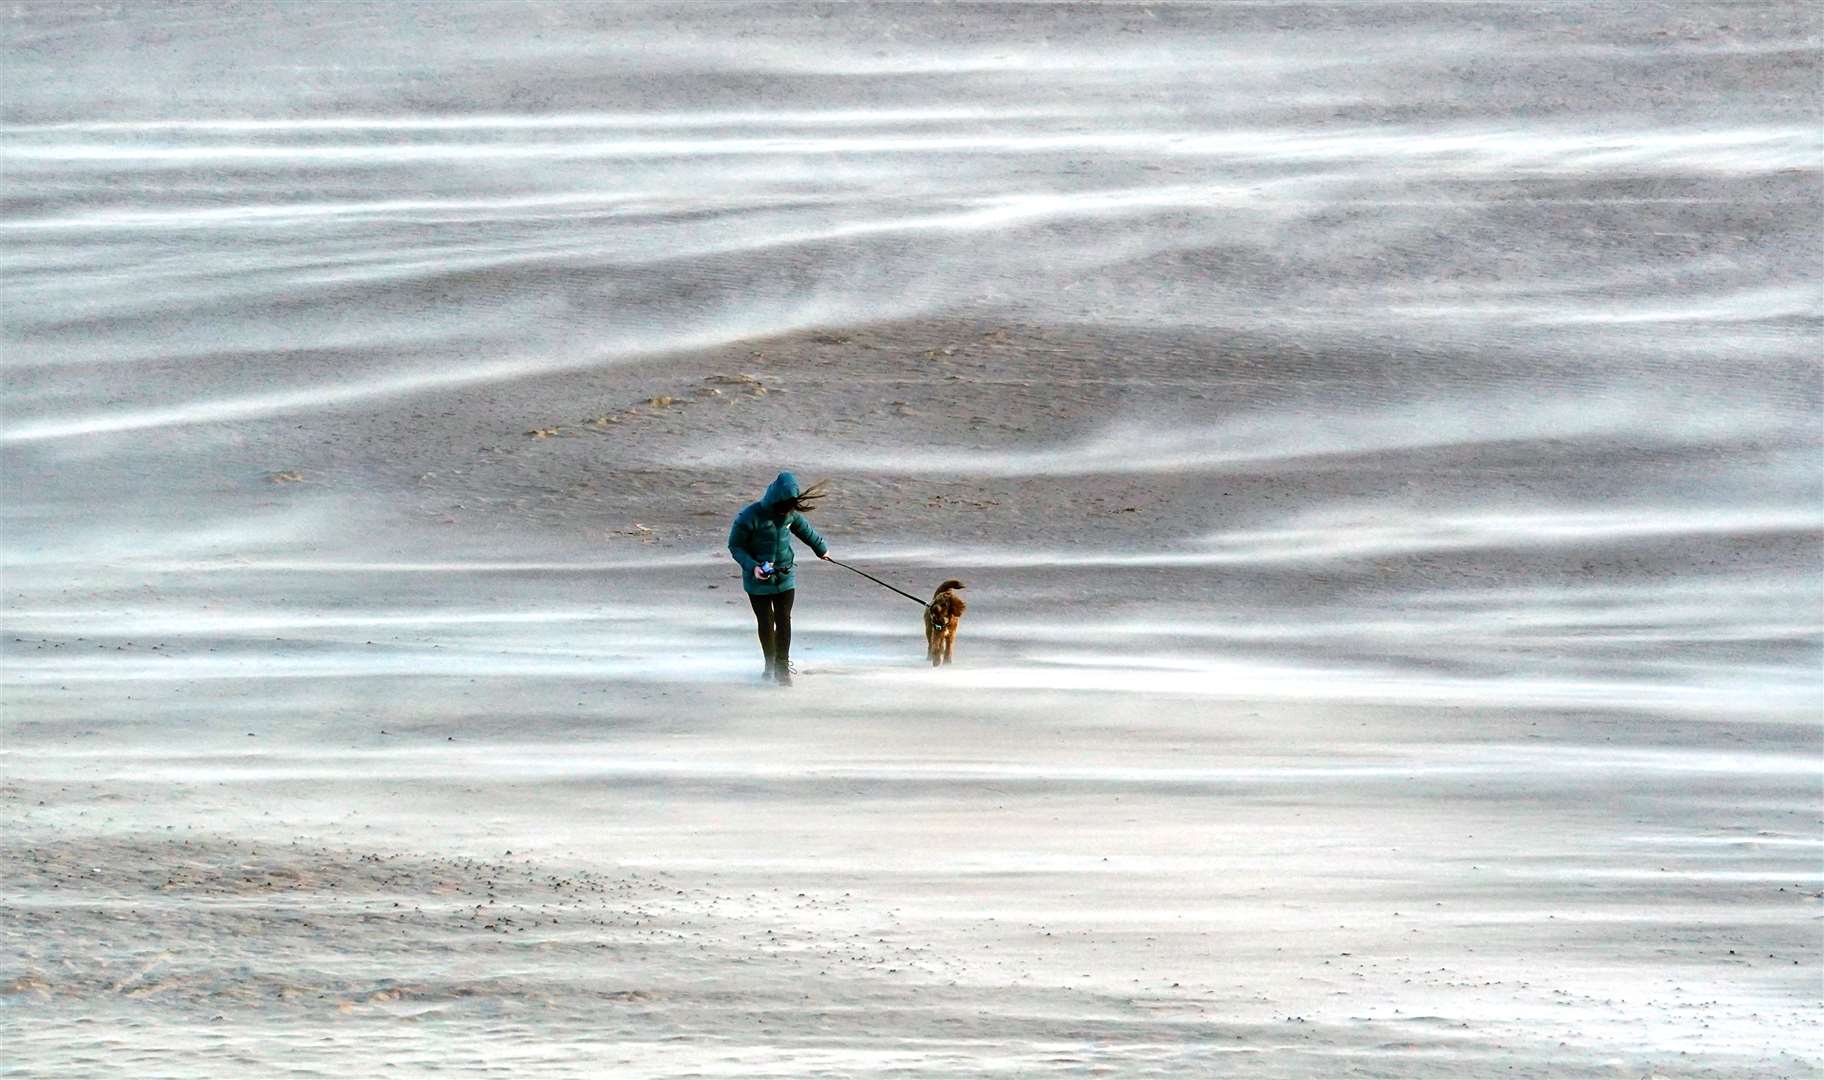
[1380, 443]
[811, 889]
[1180, 808]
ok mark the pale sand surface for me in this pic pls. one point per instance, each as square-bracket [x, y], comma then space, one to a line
[1381, 443]
[295, 811]
[657, 881]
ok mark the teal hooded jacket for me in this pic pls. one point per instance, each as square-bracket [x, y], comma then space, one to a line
[763, 532]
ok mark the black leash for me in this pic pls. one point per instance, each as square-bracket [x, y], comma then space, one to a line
[921, 603]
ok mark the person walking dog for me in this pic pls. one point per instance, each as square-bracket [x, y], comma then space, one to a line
[761, 541]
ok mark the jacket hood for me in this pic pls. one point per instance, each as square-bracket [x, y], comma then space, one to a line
[782, 490]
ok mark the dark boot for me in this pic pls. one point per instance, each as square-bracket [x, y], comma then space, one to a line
[782, 670]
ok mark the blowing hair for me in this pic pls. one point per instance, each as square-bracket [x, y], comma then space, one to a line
[806, 501]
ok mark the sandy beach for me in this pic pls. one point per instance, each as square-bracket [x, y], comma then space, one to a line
[1381, 444]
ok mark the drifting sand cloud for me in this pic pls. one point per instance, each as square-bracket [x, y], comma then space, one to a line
[1383, 533]
[1771, 693]
[1437, 154]
[633, 346]
[1296, 436]
[1461, 653]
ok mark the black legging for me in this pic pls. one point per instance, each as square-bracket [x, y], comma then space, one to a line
[773, 613]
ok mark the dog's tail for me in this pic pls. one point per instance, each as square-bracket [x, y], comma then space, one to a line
[946, 587]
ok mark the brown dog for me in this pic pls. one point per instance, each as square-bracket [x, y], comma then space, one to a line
[941, 617]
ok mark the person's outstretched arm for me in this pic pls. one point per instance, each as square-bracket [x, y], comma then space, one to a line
[801, 528]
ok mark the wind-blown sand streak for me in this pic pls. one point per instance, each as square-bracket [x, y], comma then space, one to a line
[1380, 442]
